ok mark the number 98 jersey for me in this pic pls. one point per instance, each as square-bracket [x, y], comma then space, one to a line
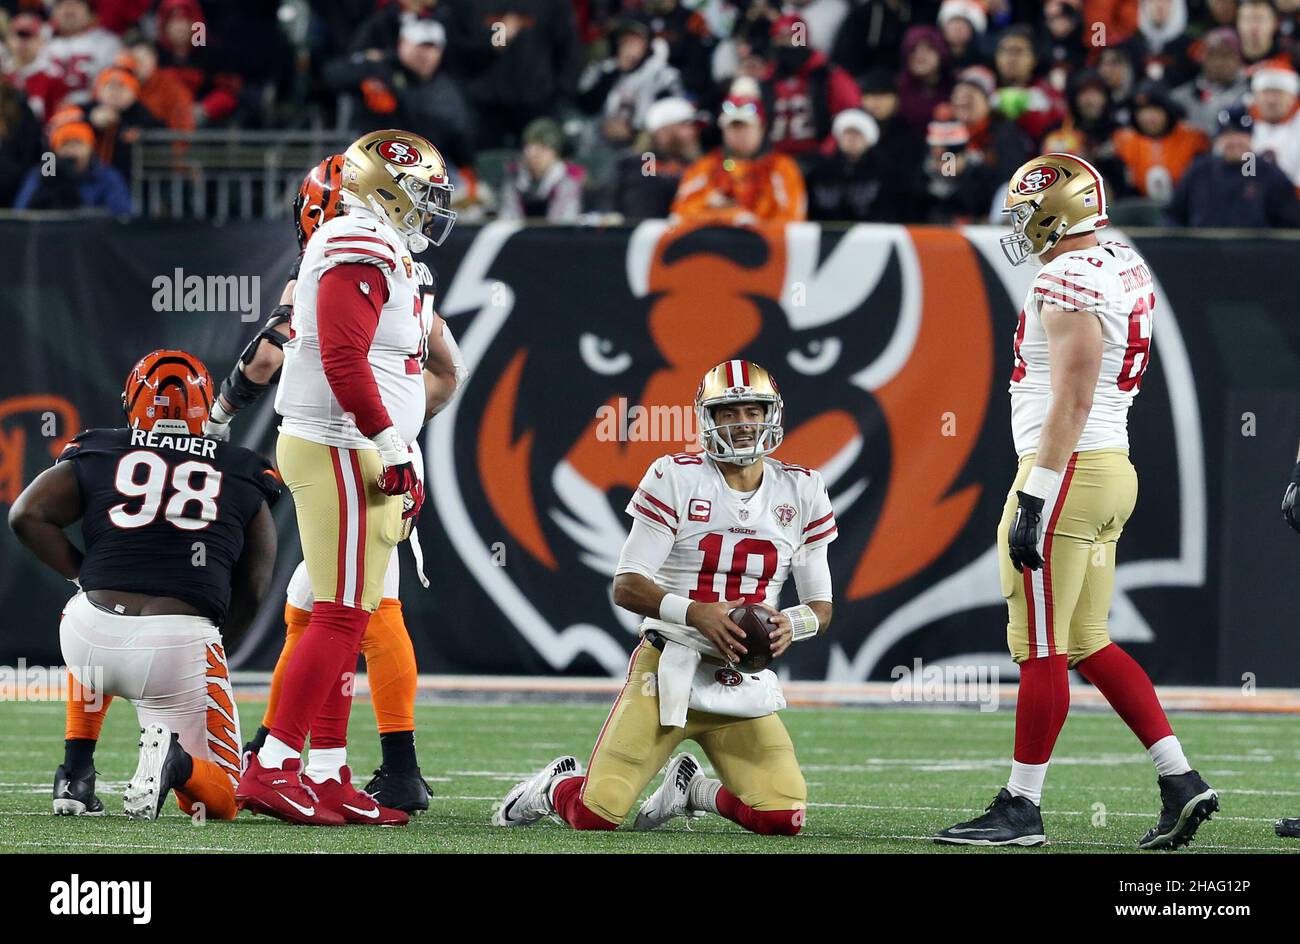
[724, 546]
[1112, 283]
[165, 513]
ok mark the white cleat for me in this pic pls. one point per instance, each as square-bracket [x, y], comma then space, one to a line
[529, 801]
[148, 789]
[671, 799]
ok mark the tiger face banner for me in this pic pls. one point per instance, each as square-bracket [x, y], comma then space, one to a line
[892, 347]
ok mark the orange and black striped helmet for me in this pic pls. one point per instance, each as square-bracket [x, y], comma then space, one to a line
[318, 197]
[168, 391]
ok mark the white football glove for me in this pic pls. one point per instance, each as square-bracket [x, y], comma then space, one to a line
[217, 425]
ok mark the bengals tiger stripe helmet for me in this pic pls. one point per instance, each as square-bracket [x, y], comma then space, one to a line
[1049, 197]
[168, 392]
[319, 197]
[728, 384]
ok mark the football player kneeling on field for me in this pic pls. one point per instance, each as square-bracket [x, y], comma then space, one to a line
[709, 532]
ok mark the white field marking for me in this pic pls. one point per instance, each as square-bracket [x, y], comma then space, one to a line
[974, 763]
[1049, 813]
[170, 847]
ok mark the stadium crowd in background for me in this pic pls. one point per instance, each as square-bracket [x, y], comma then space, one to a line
[731, 110]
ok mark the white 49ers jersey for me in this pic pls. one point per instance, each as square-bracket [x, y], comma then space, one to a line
[1112, 282]
[726, 547]
[303, 398]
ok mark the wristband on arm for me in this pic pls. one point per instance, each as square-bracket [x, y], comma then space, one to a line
[1041, 482]
[803, 621]
[672, 608]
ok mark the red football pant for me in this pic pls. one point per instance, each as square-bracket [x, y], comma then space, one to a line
[320, 675]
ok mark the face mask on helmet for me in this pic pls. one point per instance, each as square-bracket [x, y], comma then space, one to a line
[764, 435]
[431, 217]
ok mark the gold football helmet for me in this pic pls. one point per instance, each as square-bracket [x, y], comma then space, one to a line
[1049, 197]
[728, 384]
[403, 178]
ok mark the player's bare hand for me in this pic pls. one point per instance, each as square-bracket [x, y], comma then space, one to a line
[712, 620]
[781, 635]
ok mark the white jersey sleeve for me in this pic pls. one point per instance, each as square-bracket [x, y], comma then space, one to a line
[352, 239]
[821, 528]
[655, 501]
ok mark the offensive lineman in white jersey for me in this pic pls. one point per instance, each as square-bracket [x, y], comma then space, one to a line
[709, 531]
[1082, 344]
[351, 398]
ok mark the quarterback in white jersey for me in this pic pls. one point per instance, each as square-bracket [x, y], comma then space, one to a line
[710, 531]
[1082, 344]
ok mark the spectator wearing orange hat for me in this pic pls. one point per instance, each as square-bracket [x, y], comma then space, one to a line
[804, 91]
[741, 183]
[28, 65]
[955, 185]
[1276, 135]
[118, 117]
[1159, 146]
[78, 179]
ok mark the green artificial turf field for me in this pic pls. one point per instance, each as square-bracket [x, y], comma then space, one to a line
[879, 780]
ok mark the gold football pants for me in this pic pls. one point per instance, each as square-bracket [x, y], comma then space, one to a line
[753, 757]
[1062, 608]
[347, 526]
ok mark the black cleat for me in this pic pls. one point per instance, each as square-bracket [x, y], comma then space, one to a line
[403, 790]
[75, 796]
[163, 766]
[1186, 801]
[1008, 821]
[1288, 828]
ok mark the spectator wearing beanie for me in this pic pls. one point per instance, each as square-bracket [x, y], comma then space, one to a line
[1220, 85]
[29, 68]
[955, 186]
[215, 93]
[118, 117]
[741, 183]
[541, 185]
[1022, 96]
[622, 87]
[646, 181]
[1276, 135]
[899, 143]
[804, 91]
[1158, 147]
[1000, 143]
[963, 24]
[81, 48]
[925, 80]
[1216, 190]
[409, 88]
[1161, 46]
[854, 183]
[79, 180]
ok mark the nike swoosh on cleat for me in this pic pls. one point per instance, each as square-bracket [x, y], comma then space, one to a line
[505, 814]
[304, 810]
[980, 829]
[368, 814]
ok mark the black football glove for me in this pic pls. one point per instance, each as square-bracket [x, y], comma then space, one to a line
[1291, 500]
[1022, 542]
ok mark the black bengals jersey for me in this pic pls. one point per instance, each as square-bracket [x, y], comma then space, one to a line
[165, 513]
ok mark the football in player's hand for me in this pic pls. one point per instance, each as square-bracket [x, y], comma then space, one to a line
[753, 621]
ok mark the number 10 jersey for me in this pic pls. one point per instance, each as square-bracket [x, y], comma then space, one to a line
[724, 546]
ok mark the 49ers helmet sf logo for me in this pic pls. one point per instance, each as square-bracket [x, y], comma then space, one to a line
[1038, 180]
[398, 152]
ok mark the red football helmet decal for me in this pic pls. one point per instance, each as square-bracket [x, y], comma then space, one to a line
[1038, 180]
[398, 152]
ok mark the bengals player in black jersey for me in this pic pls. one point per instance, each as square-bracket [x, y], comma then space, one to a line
[179, 547]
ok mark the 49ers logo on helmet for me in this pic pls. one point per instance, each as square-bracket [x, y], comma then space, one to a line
[398, 152]
[1038, 180]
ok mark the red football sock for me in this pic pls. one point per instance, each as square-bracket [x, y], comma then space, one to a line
[315, 669]
[567, 800]
[1041, 706]
[1129, 690]
[763, 822]
[330, 729]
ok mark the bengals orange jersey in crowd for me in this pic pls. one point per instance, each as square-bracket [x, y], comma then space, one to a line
[1155, 165]
[721, 189]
